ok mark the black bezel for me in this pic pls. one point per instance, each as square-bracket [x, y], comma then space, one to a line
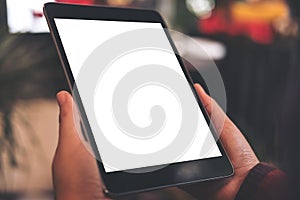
[121, 183]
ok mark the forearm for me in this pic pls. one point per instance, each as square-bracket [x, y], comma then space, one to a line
[264, 182]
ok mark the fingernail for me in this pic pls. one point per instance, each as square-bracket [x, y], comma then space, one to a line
[202, 90]
[61, 98]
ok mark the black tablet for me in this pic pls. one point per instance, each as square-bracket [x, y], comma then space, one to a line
[144, 121]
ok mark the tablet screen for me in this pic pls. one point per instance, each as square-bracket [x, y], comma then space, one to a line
[80, 39]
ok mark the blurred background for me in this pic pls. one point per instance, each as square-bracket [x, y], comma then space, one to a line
[251, 41]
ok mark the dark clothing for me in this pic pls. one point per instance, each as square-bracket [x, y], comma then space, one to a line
[264, 182]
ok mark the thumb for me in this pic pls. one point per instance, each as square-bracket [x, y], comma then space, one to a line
[67, 128]
[235, 144]
[215, 112]
[205, 99]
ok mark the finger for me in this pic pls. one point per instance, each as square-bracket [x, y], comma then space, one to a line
[232, 139]
[67, 127]
[214, 111]
[205, 99]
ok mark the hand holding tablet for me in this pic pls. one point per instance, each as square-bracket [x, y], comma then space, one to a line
[100, 49]
[85, 182]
